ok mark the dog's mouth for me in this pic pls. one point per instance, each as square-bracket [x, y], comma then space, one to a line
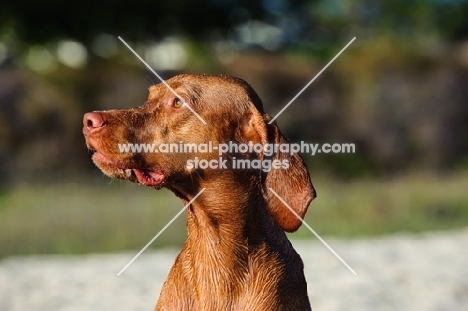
[148, 177]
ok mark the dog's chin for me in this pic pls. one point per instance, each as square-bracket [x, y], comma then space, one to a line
[151, 178]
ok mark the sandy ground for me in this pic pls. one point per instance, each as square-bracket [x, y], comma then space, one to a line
[399, 272]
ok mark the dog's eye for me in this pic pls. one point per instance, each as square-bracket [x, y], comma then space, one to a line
[177, 103]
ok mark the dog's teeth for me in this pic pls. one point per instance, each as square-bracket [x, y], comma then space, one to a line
[128, 172]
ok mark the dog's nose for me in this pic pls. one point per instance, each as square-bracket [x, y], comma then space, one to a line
[92, 121]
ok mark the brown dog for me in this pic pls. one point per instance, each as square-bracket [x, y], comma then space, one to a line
[236, 256]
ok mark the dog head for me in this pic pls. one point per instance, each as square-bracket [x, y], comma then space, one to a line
[155, 144]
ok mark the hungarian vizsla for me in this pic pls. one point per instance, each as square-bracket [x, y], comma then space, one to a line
[237, 255]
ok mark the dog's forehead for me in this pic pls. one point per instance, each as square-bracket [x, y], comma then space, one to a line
[187, 82]
[155, 91]
[197, 87]
[170, 86]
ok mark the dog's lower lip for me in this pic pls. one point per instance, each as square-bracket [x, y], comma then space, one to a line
[100, 157]
[150, 178]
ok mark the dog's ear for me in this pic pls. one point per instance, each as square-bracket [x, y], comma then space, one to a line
[291, 181]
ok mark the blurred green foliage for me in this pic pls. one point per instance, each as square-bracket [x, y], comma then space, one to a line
[84, 218]
[41, 22]
[109, 217]
[398, 92]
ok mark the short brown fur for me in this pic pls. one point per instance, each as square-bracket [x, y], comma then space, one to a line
[236, 256]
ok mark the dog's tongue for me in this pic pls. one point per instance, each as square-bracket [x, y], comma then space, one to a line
[149, 178]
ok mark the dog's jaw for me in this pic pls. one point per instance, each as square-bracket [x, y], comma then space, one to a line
[149, 177]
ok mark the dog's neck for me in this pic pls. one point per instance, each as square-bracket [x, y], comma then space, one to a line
[238, 213]
[223, 226]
